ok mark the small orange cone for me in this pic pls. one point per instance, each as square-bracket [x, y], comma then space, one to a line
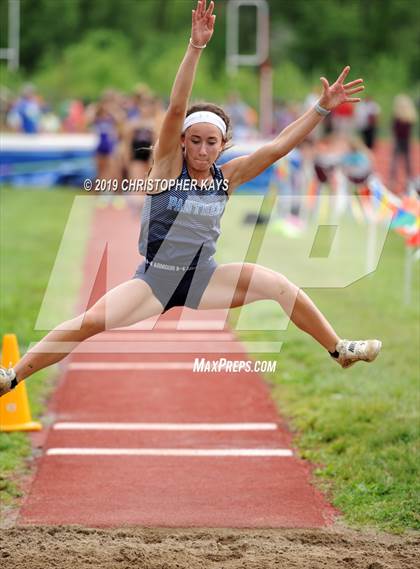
[15, 414]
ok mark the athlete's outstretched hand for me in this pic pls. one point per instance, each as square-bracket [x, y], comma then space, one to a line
[202, 23]
[337, 93]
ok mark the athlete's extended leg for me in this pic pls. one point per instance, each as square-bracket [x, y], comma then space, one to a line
[124, 305]
[236, 284]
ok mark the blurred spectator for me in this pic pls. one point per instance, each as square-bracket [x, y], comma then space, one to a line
[75, 120]
[106, 120]
[140, 93]
[244, 118]
[357, 161]
[25, 114]
[366, 115]
[327, 156]
[343, 119]
[140, 133]
[283, 115]
[403, 118]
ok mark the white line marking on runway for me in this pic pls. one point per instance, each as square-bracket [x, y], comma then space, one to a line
[178, 325]
[158, 336]
[127, 366]
[166, 426]
[255, 452]
[179, 347]
[198, 324]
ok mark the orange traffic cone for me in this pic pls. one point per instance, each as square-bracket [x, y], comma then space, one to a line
[15, 414]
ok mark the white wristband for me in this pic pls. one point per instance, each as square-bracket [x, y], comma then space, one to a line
[321, 111]
[197, 46]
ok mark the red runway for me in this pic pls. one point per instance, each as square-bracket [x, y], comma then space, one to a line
[138, 438]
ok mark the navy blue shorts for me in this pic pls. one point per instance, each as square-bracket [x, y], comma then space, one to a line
[177, 286]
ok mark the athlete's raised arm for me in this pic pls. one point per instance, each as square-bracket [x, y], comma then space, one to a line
[201, 32]
[245, 168]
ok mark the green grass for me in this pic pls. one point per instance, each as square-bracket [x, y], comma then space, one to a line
[32, 222]
[360, 426]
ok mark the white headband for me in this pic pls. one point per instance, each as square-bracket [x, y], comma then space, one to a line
[205, 116]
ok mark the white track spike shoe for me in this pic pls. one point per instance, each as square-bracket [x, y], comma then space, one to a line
[8, 380]
[352, 351]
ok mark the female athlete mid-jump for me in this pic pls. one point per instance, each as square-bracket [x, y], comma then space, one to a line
[181, 224]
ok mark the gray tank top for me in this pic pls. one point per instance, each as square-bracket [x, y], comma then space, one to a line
[180, 226]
